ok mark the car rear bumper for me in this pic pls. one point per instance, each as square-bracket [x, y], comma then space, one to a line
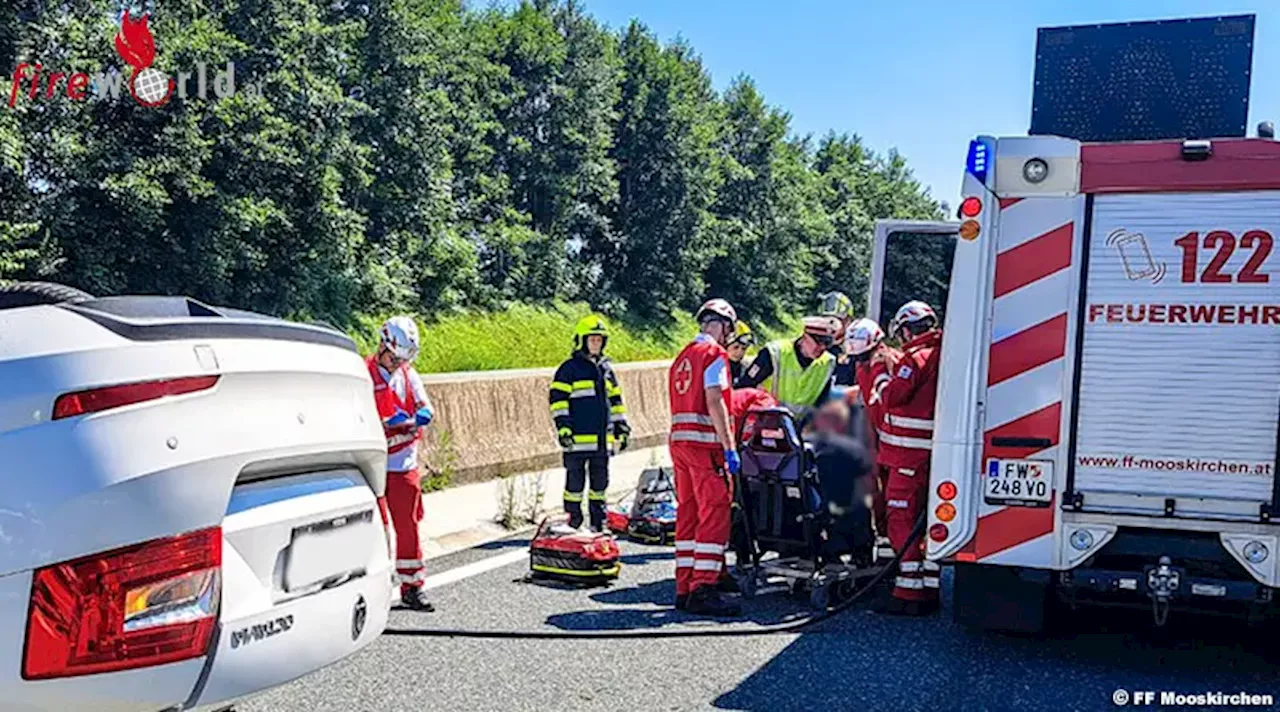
[262, 651]
[321, 629]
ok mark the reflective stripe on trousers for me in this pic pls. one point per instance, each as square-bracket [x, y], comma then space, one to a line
[691, 419]
[694, 436]
[906, 442]
[702, 521]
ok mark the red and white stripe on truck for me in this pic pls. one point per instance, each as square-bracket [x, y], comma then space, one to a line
[1026, 367]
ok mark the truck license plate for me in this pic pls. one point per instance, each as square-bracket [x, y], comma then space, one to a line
[1021, 483]
[329, 548]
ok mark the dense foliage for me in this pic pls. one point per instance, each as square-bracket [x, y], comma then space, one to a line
[423, 155]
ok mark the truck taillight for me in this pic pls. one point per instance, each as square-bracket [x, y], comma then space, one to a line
[945, 512]
[947, 491]
[970, 207]
[99, 399]
[939, 532]
[142, 605]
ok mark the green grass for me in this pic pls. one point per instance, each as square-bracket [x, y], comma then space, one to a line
[524, 336]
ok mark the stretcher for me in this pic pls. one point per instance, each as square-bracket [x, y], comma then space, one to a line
[785, 530]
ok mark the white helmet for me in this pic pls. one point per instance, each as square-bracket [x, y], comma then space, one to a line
[910, 313]
[400, 337]
[822, 327]
[720, 308]
[862, 336]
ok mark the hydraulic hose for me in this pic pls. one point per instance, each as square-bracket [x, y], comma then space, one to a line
[719, 632]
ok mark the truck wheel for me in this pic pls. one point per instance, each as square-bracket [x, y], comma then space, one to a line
[1002, 598]
[30, 294]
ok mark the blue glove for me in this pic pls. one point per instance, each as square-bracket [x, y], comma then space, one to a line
[398, 418]
[423, 417]
[731, 462]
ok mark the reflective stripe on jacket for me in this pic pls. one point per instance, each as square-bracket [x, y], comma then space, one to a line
[690, 419]
[872, 378]
[906, 427]
[586, 398]
[387, 401]
[793, 385]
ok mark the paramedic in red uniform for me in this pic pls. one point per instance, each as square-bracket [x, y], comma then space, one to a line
[863, 341]
[906, 440]
[704, 456]
[405, 409]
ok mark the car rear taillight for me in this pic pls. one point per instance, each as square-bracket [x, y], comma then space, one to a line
[99, 399]
[143, 605]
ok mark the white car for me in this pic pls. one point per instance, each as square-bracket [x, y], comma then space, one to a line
[191, 502]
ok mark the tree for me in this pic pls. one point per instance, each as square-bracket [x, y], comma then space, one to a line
[559, 86]
[858, 188]
[665, 151]
[768, 211]
[421, 155]
[417, 258]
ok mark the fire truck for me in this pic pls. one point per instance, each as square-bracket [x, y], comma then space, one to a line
[1109, 394]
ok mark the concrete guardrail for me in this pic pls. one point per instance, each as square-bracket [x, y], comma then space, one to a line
[490, 424]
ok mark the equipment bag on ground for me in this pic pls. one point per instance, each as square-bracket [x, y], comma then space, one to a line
[579, 557]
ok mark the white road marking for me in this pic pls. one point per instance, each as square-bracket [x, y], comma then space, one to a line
[475, 568]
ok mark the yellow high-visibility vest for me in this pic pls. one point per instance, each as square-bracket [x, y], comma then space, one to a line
[794, 386]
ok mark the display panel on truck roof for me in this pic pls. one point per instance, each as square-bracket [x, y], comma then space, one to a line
[1186, 78]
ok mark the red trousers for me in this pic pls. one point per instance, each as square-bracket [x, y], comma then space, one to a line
[878, 512]
[705, 495]
[906, 495]
[404, 499]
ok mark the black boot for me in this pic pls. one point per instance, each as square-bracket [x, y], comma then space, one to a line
[912, 609]
[682, 601]
[417, 600]
[707, 601]
[728, 584]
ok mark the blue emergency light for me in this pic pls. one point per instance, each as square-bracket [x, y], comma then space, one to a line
[982, 153]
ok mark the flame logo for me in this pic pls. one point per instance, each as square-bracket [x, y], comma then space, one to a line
[149, 86]
[134, 42]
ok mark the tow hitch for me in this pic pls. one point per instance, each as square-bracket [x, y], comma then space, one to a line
[1163, 581]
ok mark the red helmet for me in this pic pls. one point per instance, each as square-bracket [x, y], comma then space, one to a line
[718, 307]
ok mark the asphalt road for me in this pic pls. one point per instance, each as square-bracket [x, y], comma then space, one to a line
[855, 661]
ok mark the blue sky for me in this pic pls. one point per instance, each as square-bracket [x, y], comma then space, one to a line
[924, 76]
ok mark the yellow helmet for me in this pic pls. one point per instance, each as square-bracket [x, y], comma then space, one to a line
[742, 335]
[836, 304]
[590, 325]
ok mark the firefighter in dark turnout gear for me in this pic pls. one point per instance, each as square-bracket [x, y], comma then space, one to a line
[590, 419]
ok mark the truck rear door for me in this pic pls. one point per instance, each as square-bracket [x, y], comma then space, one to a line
[1178, 384]
[910, 259]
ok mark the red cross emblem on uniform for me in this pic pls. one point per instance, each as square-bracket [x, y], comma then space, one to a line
[683, 377]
